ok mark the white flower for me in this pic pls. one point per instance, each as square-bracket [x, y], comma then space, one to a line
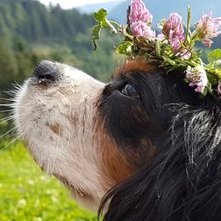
[22, 203]
[37, 219]
[196, 77]
[208, 28]
[31, 182]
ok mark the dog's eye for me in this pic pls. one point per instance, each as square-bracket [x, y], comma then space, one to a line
[130, 90]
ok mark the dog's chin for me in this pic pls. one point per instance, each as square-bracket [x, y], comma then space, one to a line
[80, 192]
[87, 199]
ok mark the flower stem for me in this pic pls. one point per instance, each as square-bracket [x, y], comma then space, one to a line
[188, 31]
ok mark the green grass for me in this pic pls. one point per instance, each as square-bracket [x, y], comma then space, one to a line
[28, 194]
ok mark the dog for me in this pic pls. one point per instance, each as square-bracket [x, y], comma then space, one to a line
[143, 147]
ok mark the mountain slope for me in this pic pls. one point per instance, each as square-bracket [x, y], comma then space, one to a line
[161, 8]
[34, 22]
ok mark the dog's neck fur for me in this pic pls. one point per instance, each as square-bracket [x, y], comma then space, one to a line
[183, 180]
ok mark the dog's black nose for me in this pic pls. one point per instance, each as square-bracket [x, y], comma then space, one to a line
[46, 71]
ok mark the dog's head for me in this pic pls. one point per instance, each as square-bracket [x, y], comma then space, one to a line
[146, 139]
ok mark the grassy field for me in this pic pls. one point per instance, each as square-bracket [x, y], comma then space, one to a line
[27, 194]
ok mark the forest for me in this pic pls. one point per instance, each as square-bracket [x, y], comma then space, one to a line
[30, 32]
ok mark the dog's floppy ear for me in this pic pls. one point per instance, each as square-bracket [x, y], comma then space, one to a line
[183, 181]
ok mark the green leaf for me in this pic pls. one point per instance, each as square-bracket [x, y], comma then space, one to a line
[125, 48]
[158, 48]
[217, 72]
[168, 61]
[103, 23]
[100, 17]
[212, 79]
[214, 55]
[96, 35]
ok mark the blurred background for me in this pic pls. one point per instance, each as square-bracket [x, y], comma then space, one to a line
[57, 30]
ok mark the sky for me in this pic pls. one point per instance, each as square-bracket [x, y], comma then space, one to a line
[75, 3]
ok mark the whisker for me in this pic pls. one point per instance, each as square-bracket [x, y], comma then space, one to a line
[8, 118]
[16, 84]
[10, 95]
[14, 90]
[5, 105]
[10, 92]
[9, 145]
[5, 111]
[8, 132]
[12, 99]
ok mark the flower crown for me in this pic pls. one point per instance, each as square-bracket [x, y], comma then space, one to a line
[173, 48]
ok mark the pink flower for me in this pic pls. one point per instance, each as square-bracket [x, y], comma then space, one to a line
[184, 54]
[139, 12]
[173, 30]
[140, 28]
[208, 28]
[196, 77]
[140, 19]
[160, 37]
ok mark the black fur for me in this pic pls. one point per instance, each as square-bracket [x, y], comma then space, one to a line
[182, 182]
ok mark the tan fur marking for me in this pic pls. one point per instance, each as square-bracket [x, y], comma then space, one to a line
[137, 64]
[73, 119]
[115, 163]
[55, 128]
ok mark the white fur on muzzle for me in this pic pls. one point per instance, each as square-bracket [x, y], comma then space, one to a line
[57, 122]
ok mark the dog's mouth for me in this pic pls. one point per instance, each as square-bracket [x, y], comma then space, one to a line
[77, 192]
